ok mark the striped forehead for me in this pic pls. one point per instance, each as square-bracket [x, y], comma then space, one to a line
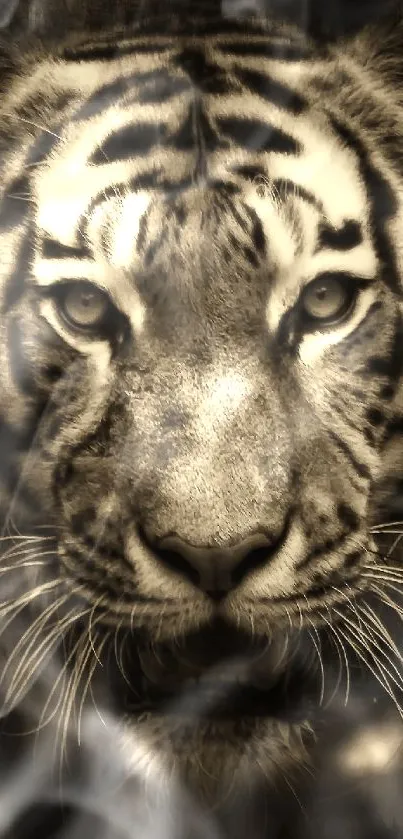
[159, 127]
[161, 122]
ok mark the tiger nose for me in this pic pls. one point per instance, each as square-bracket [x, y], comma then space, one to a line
[214, 570]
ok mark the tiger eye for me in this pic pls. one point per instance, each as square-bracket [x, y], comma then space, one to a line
[84, 306]
[326, 299]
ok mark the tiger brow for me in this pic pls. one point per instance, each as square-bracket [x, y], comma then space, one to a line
[52, 249]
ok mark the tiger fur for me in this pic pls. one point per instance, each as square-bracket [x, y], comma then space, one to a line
[208, 460]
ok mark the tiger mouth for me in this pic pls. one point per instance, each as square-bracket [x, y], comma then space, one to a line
[217, 674]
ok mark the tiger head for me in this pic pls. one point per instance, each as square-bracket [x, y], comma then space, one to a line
[201, 343]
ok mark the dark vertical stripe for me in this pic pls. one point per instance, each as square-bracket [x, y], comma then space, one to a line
[382, 199]
[15, 204]
[16, 283]
[361, 469]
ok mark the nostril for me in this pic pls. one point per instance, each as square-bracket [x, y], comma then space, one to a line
[177, 562]
[254, 559]
[173, 559]
[215, 570]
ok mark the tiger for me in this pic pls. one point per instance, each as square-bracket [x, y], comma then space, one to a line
[201, 398]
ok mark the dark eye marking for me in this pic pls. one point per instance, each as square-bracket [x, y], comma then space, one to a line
[341, 239]
[51, 249]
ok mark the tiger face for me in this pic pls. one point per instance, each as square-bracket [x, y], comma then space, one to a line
[201, 347]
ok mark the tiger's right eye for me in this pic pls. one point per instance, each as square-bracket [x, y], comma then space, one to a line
[83, 305]
[327, 300]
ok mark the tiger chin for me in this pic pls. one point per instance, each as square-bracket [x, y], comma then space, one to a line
[200, 387]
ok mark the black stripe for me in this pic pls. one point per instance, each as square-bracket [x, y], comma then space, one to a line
[348, 516]
[241, 218]
[111, 51]
[154, 86]
[105, 96]
[272, 91]
[160, 86]
[16, 283]
[382, 199]
[390, 366]
[255, 135]
[265, 49]
[375, 416]
[342, 411]
[20, 364]
[51, 249]
[387, 392]
[340, 239]
[206, 77]
[148, 180]
[328, 546]
[258, 236]
[196, 133]
[288, 188]
[359, 332]
[251, 172]
[360, 468]
[15, 204]
[14, 442]
[43, 145]
[352, 559]
[129, 142]
[394, 428]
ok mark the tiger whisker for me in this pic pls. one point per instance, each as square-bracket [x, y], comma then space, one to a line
[81, 656]
[91, 621]
[119, 652]
[366, 638]
[386, 599]
[380, 675]
[380, 528]
[384, 567]
[43, 722]
[32, 123]
[316, 643]
[31, 634]
[371, 644]
[41, 653]
[86, 686]
[388, 577]
[21, 552]
[339, 646]
[380, 629]
[15, 605]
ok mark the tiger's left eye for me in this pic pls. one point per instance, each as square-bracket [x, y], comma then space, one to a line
[327, 299]
[84, 306]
